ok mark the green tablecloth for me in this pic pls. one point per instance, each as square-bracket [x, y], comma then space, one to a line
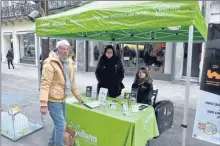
[106, 127]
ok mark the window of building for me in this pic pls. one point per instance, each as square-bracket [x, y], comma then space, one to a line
[96, 50]
[5, 3]
[150, 55]
[27, 46]
[12, 3]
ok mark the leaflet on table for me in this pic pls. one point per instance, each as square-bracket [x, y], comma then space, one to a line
[103, 93]
[92, 104]
[207, 120]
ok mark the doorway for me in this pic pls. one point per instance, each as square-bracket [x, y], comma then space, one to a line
[196, 57]
[7, 39]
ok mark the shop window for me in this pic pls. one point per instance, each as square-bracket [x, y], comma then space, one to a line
[214, 31]
[52, 43]
[27, 46]
[5, 3]
[95, 51]
[150, 55]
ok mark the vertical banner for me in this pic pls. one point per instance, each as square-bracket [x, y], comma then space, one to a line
[207, 119]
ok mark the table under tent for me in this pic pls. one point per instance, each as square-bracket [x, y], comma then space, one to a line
[131, 21]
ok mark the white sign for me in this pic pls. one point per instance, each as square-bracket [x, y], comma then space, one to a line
[207, 120]
[102, 94]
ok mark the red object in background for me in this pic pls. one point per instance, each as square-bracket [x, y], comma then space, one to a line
[163, 45]
[200, 56]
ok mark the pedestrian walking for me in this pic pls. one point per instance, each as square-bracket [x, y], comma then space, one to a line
[10, 58]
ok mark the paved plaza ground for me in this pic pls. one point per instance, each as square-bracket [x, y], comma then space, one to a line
[23, 81]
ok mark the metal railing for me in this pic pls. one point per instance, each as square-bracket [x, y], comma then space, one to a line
[62, 4]
[19, 10]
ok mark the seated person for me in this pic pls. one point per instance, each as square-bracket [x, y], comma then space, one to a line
[143, 85]
[160, 57]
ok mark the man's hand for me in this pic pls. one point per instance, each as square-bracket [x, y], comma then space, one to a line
[80, 100]
[43, 110]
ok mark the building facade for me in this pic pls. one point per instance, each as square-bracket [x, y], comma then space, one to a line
[18, 33]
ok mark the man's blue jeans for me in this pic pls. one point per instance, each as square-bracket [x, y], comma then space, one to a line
[58, 114]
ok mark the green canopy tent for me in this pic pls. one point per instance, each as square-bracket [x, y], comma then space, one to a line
[131, 21]
[126, 21]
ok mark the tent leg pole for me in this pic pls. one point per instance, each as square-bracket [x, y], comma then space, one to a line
[137, 57]
[38, 60]
[187, 86]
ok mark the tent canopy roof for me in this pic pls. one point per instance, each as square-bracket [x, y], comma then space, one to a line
[127, 21]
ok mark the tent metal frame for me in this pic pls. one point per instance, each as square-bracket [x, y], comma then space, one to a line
[188, 77]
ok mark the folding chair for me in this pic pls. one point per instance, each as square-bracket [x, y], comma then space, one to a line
[154, 97]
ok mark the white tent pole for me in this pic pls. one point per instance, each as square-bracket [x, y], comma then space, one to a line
[38, 60]
[137, 57]
[187, 87]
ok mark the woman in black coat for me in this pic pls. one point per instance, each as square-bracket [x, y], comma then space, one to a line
[143, 85]
[110, 72]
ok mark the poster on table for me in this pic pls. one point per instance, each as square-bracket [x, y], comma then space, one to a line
[103, 93]
[207, 119]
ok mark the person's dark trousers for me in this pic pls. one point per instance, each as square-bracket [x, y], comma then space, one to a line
[10, 62]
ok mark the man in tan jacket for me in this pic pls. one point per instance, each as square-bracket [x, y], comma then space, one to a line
[57, 82]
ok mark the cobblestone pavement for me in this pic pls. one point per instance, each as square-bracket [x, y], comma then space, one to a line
[23, 81]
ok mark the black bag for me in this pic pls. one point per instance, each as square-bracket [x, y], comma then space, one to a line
[164, 111]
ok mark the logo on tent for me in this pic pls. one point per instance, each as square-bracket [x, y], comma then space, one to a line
[46, 24]
[160, 9]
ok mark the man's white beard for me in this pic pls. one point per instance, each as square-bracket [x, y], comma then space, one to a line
[60, 56]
